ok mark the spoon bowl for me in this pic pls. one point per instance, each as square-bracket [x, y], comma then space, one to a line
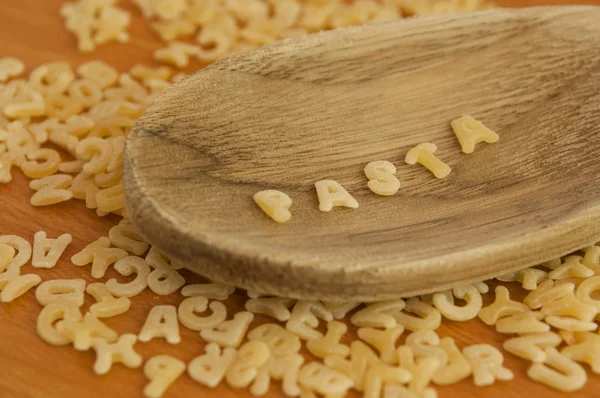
[321, 107]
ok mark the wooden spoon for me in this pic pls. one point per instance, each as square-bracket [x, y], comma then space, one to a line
[321, 107]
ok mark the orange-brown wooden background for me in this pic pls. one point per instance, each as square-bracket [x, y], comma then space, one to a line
[32, 30]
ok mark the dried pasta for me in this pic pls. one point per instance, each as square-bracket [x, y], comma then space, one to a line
[46, 252]
[424, 155]
[382, 180]
[229, 333]
[121, 351]
[274, 204]
[568, 376]
[190, 306]
[69, 290]
[161, 322]
[209, 369]
[331, 194]
[162, 371]
[470, 132]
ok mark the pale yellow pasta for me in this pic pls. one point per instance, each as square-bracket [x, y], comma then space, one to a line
[52, 78]
[331, 194]
[46, 251]
[552, 264]
[10, 67]
[379, 314]
[7, 253]
[558, 372]
[7, 160]
[85, 91]
[81, 27]
[99, 72]
[380, 374]
[217, 38]
[382, 180]
[274, 307]
[546, 293]
[383, 340]
[427, 317]
[229, 333]
[244, 369]
[530, 277]
[20, 142]
[275, 204]
[106, 304]
[175, 29]
[164, 280]
[486, 362]
[156, 257]
[330, 344]
[591, 259]
[90, 196]
[279, 368]
[303, 319]
[570, 324]
[96, 151]
[281, 342]
[100, 254]
[127, 238]
[17, 286]
[51, 190]
[33, 169]
[457, 366]
[361, 358]
[161, 322]
[114, 168]
[111, 199]
[22, 248]
[127, 266]
[470, 132]
[120, 352]
[587, 288]
[111, 25]
[177, 53]
[79, 186]
[572, 266]
[586, 349]
[81, 332]
[339, 310]
[128, 90]
[469, 294]
[424, 344]
[69, 290]
[209, 369]
[424, 155]
[526, 322]
[502, 307]
[52, 313]
[108, 179]
[323, 380]
[162, 371]
[568, 336]
[422, 371]
[569, 305]
[532, 346]
[34, 106]
[190, 306]
[62, 107]
[215, 290]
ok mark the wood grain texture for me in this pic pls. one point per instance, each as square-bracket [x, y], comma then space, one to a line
[29, 368]
[333, 102]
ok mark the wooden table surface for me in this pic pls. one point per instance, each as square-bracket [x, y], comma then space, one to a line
[33, 31]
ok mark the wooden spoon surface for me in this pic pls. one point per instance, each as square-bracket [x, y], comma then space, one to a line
[322, 107]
